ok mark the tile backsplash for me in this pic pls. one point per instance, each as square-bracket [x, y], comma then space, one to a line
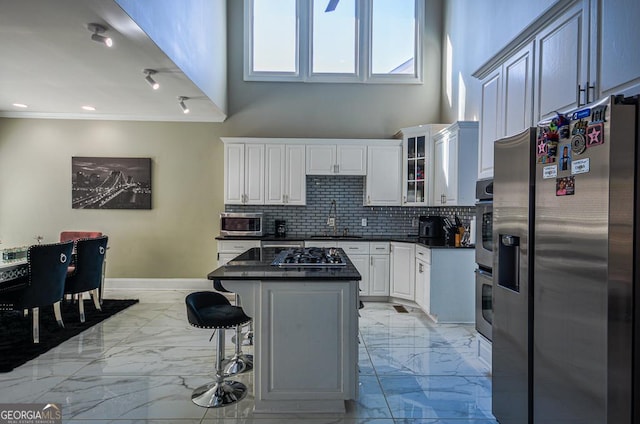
[348, 191]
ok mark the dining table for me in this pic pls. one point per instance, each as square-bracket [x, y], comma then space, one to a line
[13, 273]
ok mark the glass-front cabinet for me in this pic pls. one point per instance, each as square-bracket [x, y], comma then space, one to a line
[417, 163]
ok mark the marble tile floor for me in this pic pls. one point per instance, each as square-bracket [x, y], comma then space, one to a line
[141, 365]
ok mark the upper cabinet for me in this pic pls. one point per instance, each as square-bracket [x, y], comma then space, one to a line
[244, 174]
[507, 106]
[455, 164]
[285, 174]
[617, 36]
[575, 53]
[336, 159]
[562, 69]
[383, 175]
[417, 161]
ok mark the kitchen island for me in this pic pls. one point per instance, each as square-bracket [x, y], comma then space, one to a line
[305, 330]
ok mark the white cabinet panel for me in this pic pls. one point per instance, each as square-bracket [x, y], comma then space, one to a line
[562, 65]
[490, 122]
[337, 159]
[518, 91]
[383, 177]
[455, 164]
[244, 174]
[285, 179]
[379, 274]
[361, 262]
[402, 270]
[352, 159]
[321, 159]
[619, 61]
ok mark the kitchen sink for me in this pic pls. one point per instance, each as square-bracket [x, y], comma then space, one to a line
[331, 237]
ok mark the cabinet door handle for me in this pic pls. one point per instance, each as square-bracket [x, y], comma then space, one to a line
[368, 200]
[404, 199]
[420, 268]
[371, 260]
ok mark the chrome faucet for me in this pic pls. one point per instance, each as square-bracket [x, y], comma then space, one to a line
[332, 221]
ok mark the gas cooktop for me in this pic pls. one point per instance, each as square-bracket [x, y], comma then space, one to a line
[310, 257]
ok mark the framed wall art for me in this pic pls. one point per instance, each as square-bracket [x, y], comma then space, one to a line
[110, 183]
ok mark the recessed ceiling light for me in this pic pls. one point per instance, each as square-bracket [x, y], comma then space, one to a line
[88, 107]
[20, 105]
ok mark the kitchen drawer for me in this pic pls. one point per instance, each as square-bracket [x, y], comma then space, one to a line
[236, 246]
[379, 248]
[320, 243]
[423, 253]
[354, 247]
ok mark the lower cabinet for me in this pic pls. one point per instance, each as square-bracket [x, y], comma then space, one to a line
[423, 278]
[371, 259]
[403, 270]
[229, 249]
[445, 284]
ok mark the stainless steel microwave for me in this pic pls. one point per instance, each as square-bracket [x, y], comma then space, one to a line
[240, 224]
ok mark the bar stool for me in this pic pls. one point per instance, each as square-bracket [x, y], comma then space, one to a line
[213, 310]
[239, 362]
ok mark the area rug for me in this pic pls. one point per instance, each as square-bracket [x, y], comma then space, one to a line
[16, 342]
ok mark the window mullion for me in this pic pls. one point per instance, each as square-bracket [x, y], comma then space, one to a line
[304, 44]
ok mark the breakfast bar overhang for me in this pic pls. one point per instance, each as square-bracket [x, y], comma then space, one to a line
[305, 331]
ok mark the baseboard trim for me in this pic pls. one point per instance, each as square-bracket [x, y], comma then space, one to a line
[157, 284]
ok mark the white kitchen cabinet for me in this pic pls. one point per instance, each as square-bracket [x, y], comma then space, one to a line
[383, 187]
[244, 174]
[455, 164]
[417, 163]
[285, 179]
[229, 249]
[562, 68]
[507, 105]
[379, 268]
[618, 61]
[403, 270]
[447, 284]
[371, 259]
[423, 278]
[490, 122]
[336, 159]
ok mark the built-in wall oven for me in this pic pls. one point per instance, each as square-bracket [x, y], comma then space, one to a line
[484, 257]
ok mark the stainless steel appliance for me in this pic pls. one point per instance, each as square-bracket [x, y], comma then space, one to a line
[310, 257]
[280, 228]
[240, 224]
[565, 331]
[431, 227]
[484, 257]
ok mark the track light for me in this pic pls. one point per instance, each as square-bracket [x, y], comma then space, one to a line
[97, 36]
[149, 78]
[183, 106]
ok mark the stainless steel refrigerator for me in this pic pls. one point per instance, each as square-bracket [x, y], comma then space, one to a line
[566, 263]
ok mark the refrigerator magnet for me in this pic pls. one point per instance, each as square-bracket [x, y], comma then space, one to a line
[580, 166]
[549, 172]
[565, 158]
[578, 144]
[595, 134]
[565, 186]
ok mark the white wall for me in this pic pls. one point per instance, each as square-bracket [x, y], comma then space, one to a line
[476, 31]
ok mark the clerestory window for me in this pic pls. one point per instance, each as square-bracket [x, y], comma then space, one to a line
[371, 41]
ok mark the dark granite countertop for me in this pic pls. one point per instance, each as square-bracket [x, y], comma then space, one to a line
[406, 238]
[255, 264]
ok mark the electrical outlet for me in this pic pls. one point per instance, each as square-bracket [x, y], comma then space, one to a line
[364, 222]
[331, 222]
[414, 222]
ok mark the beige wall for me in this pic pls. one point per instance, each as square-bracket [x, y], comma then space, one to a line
[176, 238]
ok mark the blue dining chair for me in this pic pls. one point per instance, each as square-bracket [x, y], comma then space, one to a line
[47, 271]
[87, 273]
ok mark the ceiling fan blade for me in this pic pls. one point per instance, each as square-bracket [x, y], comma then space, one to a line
[332, 5]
